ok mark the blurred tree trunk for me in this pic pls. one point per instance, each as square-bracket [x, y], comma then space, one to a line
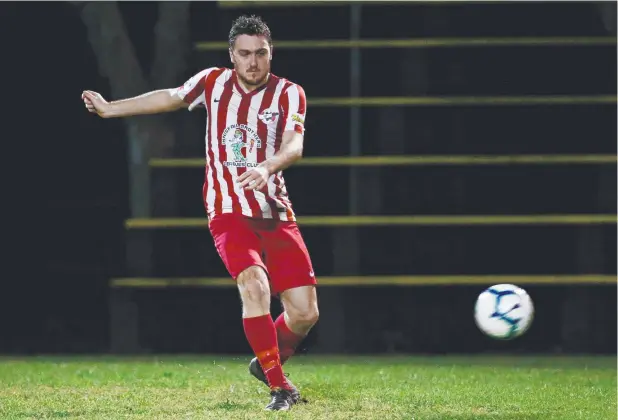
[148, 136]
[607, 9]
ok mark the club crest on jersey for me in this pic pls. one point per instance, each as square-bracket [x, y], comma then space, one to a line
[237, 137]
[267, 116]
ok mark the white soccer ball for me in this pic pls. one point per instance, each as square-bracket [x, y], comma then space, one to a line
[503, 311]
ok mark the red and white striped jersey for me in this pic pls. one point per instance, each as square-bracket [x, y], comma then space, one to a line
[242, 130]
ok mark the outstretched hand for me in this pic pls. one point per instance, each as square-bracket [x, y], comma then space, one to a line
[254, 179]
[95, 103]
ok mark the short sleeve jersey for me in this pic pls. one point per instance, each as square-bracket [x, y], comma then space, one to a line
[242, 130]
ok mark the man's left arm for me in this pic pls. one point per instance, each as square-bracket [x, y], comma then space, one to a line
[294, 106]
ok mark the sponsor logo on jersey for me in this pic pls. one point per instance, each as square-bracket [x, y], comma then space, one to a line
[240, 140]
[298, 118]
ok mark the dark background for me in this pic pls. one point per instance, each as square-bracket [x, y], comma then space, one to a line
[67, 193]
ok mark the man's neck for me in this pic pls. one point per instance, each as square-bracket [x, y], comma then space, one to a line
[251, 88]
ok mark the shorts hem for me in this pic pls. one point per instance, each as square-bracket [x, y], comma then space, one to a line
[256, 264]
[291, 285]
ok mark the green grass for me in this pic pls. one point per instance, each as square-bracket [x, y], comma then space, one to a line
[382, 388]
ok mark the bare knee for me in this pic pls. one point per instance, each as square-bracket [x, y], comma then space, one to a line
[306, 316]
[253, 284]
[301, 308]
[254, 291]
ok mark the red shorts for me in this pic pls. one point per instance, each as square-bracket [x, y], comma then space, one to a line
[276, 246]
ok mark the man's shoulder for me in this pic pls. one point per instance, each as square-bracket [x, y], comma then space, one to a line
[287, 84]
[216, 70]
[204, 74]
[213, 76]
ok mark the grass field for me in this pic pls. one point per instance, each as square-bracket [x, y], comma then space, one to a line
[384, 388]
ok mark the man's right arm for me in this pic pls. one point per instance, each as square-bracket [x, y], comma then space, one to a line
[154, 102]
[189, 95]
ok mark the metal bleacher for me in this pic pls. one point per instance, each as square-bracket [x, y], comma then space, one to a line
[357, 152]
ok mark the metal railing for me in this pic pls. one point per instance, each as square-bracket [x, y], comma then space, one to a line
[341, 281]
[424, 43]
[416, 160]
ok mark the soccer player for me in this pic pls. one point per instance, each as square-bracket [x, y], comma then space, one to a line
[255, 129]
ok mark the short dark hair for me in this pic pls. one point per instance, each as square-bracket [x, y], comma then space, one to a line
[249, 25]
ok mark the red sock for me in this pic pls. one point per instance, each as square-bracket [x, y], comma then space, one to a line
[262, 338]
[288, 340]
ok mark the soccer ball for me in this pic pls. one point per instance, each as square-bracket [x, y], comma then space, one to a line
[503, 311]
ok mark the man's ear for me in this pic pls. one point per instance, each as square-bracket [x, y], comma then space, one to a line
[231, 56]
